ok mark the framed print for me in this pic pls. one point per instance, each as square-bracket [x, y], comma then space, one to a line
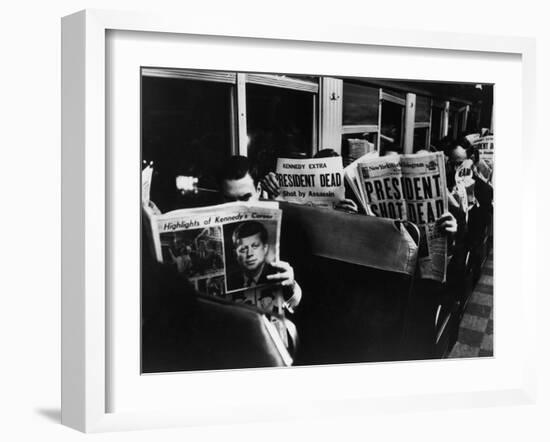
[188, 299]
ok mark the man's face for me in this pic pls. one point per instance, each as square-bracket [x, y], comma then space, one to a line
[457, 157]
[242, 189]
[251, 252]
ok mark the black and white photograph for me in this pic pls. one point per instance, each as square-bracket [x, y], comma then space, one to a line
[406, 293]
[249, 252]
[315, 219]
[196, 253]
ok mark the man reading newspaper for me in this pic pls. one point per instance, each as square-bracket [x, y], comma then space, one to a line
[230, 251]
[413, 188]
[238, 181]
[202, 244]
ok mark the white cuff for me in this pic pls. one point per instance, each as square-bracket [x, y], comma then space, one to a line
[295, 299]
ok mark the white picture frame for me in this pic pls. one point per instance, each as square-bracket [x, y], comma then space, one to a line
[86, 205]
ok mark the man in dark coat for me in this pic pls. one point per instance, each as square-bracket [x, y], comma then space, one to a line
[239, 182]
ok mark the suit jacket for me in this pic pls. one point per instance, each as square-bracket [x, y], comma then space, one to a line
[236, 279]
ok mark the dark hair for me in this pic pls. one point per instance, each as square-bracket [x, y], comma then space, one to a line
[473, 154]
[326, 153]
[446, 145]
[471, 151]
[464, 142]
[455, 146]
[249, 228]
[235, 168]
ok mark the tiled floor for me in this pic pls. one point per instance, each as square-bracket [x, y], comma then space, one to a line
[475, 336]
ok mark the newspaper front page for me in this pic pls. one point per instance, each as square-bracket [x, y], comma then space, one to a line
[412, 188]
[486, 147]
[318, 182]
[225, 251]
[463, 191]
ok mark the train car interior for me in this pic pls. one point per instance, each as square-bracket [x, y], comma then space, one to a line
[363, 300]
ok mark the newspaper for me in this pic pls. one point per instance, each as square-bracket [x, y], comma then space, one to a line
[413, 188]
[463, 191]
[318, 182]
[225, 251]
[486, 147]
[472, 138]
[351, 174]
[146, 177]
[358, 147]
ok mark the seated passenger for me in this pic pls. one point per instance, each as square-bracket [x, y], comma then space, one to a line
[447, 222]
[238, 182]
[479, 214]
[183, 330]
[457, 155]
[481, 168]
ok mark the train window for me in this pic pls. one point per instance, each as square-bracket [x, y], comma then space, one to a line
[186, 130]
[462, 120]
[280, 123]
[453, 128]
[357, 144]
[391, 132]
[473, 121]
[436, 125]
[421, 140]
[423, 109]
[360, 105]
[422, 118]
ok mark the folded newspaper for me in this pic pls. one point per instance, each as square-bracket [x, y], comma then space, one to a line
[463, 190]
[317, 182]
[225, 250]
[486, 147]
[146, 177]
[407, 187]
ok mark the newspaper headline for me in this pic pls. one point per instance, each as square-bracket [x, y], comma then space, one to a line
[409, 188]
[318, 182]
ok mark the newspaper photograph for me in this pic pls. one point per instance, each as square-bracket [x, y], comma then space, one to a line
[412, 188]
[318, 181]
[225, 251]
[463, 191]
[293, 218]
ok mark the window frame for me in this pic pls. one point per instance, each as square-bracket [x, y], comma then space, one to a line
[426, 124]
[386, 95]
[238, 109]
